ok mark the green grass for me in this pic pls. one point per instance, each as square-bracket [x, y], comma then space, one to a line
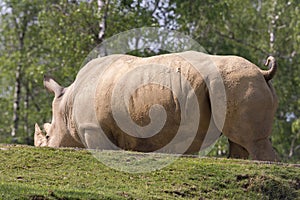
[45, 173]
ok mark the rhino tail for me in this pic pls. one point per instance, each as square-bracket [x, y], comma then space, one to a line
[269, 74]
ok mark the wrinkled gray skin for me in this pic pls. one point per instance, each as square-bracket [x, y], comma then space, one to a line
[251, 105]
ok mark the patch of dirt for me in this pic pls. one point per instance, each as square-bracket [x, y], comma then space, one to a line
[38, 197]
[176, 193]
[52, 196]
[242, 177]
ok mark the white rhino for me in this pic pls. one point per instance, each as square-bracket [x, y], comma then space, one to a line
[90, 112]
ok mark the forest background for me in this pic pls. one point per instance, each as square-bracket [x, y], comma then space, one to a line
[40, 37]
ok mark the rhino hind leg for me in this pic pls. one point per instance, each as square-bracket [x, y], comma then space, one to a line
[237, 151]
[262, 150]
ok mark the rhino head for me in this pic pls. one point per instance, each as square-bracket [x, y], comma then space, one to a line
[61, 132]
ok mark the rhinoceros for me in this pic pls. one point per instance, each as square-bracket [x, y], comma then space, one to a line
[90, 112]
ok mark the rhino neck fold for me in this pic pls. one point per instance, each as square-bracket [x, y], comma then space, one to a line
[67, 110]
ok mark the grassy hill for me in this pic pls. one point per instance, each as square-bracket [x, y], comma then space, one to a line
[45, 173]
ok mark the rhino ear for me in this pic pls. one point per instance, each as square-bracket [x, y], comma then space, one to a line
[52, 86]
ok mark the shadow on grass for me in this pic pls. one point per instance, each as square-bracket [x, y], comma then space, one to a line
[10, 191]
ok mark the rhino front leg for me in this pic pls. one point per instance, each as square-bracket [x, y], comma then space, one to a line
[94, 138]
[237, 151]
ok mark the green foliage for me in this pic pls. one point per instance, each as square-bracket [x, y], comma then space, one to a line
[296, 126]
[46, 173]
[18, 20]
[69, 32]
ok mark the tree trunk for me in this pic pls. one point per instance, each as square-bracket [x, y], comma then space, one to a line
[26, 107]
[102, 24]
[17, 98]
[272, 27]
[18, 75]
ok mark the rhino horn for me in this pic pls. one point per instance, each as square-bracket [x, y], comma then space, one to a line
[39, 137]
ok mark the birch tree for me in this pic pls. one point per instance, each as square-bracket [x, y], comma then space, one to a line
[102, 11]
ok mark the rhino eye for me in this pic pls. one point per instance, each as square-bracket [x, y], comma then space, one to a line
[47, 137]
